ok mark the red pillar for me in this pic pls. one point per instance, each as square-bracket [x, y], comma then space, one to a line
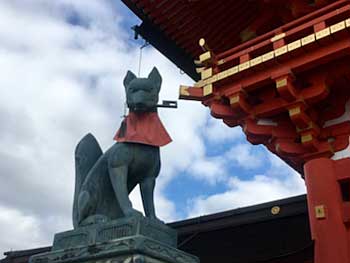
[328, 190]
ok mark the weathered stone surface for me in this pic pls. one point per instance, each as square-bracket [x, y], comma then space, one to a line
[121, 228]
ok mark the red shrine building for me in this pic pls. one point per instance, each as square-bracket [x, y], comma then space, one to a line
[281, 71]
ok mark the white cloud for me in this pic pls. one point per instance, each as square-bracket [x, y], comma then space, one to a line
[13, 224]
[209, 169]
[246, 156]
[243, 193]
[278, 181]
[217, 132]
[58, 82]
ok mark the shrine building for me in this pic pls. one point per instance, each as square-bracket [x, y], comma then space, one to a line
[280, 70]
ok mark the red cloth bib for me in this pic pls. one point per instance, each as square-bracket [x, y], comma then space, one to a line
[145, 128]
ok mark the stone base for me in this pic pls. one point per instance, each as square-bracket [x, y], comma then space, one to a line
[135, 249]
[127, 240]
[124, 227]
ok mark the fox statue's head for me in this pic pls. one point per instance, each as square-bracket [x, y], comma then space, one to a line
[142, 93]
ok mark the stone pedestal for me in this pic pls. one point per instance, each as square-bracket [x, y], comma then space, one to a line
[127, 240]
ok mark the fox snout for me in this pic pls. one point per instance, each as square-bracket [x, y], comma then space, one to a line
[142, 93]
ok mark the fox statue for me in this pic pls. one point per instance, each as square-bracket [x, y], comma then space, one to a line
[104, 180]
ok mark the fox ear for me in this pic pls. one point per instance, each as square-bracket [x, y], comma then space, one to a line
[128, 78]
[155, 77]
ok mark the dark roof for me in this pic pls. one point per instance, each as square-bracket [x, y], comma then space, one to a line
[22, 256]
[250, 234]
[289, 207]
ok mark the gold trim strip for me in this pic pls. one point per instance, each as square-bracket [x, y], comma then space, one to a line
[207, 75]
[294, 45]
[323, 33]
[222, 75]
[278, 37]
[337, 27]
[308, 39]
[213, 79]
[244, 66]
[280, 51]
[256, 61]
[267, 56]
[232, 71]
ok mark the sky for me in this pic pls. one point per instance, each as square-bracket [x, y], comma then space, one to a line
[62, 68]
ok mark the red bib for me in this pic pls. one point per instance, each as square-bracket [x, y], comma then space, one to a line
[145, 128]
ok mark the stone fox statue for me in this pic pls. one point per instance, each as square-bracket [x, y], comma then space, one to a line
[104, 180]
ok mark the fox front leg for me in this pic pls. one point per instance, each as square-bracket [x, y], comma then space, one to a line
[119, 178]
[147, 193]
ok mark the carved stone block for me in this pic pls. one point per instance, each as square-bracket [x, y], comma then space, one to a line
[124, 227]
[127, 240]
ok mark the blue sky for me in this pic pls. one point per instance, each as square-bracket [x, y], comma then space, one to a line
[63, 63]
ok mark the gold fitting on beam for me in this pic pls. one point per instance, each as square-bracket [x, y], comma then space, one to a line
[199, 70]
[207, 73]
[205, 57]
[221, 61]
[184, 91]
[275, 210]
[197, 62]
[320, 211]
[202, 43]
[234, 99]
[294, 111]
[278, 37]
[207, 90]
[281, 83]
[306, 138]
